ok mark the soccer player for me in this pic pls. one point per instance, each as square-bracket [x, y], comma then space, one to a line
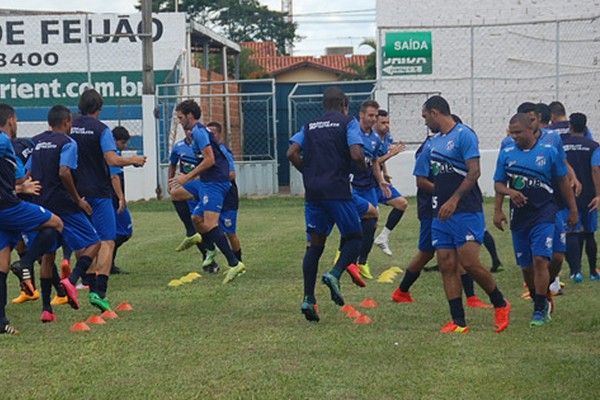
[584, 156]
[96, 151]
[51, 163]
[560, 122]
[213, 170]
[329, 145]
[530, 166]
[17, 216]
[122, 214]
[388, 150]
[458, 223]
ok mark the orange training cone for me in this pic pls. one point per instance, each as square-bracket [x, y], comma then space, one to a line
[96, 320]
[124, 307]
[353, 314]
[80, 326]
[369, 303]
[347, 308]
[110, 314]
[363, 319]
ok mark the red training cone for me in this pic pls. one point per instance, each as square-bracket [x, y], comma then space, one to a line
[347, 308]
[369, 303]
[110, 314]
[353, 314]
[363, 319]
[80, 326]
[96, 320]
[124, 307]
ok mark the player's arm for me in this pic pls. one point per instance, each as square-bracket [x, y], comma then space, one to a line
[208, 161]
[395, 149]
[567, 193]
[293, 154]
[67, 180]
[115, 180]
[383, 184]
[114, 160]
[425, 184]
[572, 179]
[473, 173]
[26, 185]
[596, 179]
[499, 216]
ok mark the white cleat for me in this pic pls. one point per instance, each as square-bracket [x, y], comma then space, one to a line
[383, 244]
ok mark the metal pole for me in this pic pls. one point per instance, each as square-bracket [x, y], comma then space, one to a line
[226, 96]
[557, 60]
[87, 49]
[147, 53]
[473, 77]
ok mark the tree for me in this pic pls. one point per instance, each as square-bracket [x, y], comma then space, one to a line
[368, 71]
[239, 20]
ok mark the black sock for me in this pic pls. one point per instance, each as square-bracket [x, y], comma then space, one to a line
[497, 298]
[393, 219]
[60, 290]
[490, 245]
[46, 293]
[3, 298]
[183, 211]
[591, 250]
[44, 241]
[217, 237]
[202, 248]
[457, 311]
[348, 256]
[368, 236]
[408, 280]
[310, 268]
[90, 281]
[66, 251]
[467, 282]
[238, 254]
[83, 264]
[101, 285]
[539, 302]
[573, 253]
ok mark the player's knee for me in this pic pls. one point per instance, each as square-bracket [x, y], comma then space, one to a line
[54, 222]
[402, 203]
[353, 236]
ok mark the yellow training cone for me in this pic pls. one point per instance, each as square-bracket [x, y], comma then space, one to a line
[193, 275]
[397, 270]
[186, 279]
[175, 282]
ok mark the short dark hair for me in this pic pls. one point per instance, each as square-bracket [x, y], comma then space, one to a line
[189, 107]
[526, 107]
[456, 118]
[121, 133]
[334, 98]
[557, 108]
[369, 103]
[58, 115]
[382, 113]
[521, 118]
[578, 122]
[437, 103]
[543, 110]
[6, 112]
[90, 101]
[217, 126]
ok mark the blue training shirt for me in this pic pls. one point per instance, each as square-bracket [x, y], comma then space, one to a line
[201, 138]
[10, 170]
[183, 154]
[580, 153]
[423, 168]
[531, 172]
[562, 128]
[231, 200]
[365, 179]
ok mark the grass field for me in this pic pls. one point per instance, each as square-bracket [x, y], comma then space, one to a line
[248, 339]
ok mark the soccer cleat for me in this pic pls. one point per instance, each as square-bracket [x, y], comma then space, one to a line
[496, 268]
[189, 242]
[24, 275]
[502, 317]
[8, 329]
[310, 311]
[451, 327]
[548, 310]
[71, 292]
[577, 278]
[354, 273]
[334, 286]
[212, 268]
[101, 303]
[234, 272]
[475, 302]
[384, 244]
[115, 270]
[24, 297]
[402, 297]
[48, 316]
[210, 258]
[65, 269]
[538, 319]
[595, 277]
[59, 301]
[365, 270]
[433, 268]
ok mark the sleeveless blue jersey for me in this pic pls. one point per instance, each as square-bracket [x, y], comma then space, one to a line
[580, 151]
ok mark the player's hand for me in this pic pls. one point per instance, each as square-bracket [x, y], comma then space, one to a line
[138, 161]
[500, 220]
[397, 149]
[573, 220]
[518, 198]
[122, 205]
[593, 205]
[577, 187]
[447, 209]
[85, 206]
[29, 186]
[387, 178]
[179, 180]
[385, 189]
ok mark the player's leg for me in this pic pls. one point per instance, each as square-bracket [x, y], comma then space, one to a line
[5, 326]
[399, 205]
[490, 246]
[124, 233]
[181, 198]
[47, 265]
[590, 225]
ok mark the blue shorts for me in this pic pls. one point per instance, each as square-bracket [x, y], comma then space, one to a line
[383, 200]
[124, 223]
[193, 188]
[559, 241]
[533, 241]
[425, 236]
[228, 221]
[458, 230]
[103, 218]
[370, 195]
[24, 217]
[322, 214]
[362, 205]
[78, 232]
[588, 221]
[211, 197]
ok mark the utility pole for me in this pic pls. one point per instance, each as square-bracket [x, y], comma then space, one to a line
[147, 53]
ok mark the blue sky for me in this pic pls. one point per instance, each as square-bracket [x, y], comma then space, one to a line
[320, 27]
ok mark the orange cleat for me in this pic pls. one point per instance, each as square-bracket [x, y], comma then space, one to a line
[402, 297]
[65, 269]
[502, 317]
[354, 273]
[24, 297]
[475, 302]
[451, 327]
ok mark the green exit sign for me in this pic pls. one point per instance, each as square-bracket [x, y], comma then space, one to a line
[407, 53]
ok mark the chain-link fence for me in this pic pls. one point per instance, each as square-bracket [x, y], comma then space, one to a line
[486, 71]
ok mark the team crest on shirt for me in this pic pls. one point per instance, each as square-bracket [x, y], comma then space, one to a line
[563, 238]
[540, 160]
[469, 237]
[450, 145]
[549, 242]
[227, 222]
[205, 200]
[373, 143]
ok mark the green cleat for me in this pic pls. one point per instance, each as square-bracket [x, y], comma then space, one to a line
[233, 272]
[189, 241]
[101, 303]
[210, 258]
[365, 270]
[334, 286]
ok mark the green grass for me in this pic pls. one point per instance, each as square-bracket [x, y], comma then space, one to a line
[248, 339]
